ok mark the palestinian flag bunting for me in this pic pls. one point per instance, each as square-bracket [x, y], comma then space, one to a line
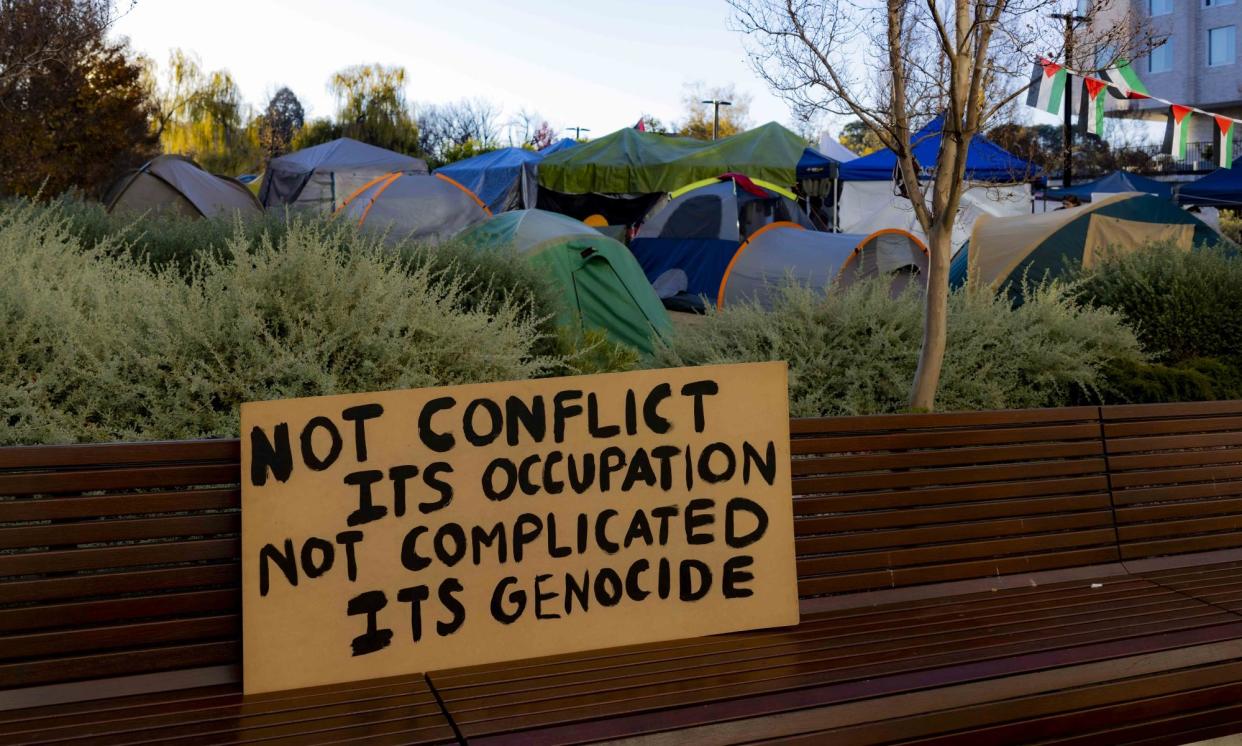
[1222, 142]
[1176, 131]
[1123, 82]
[1091, 115]
[1048, 81]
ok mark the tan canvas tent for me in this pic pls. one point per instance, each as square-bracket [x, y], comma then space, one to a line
[178, 185]
[1011, 251]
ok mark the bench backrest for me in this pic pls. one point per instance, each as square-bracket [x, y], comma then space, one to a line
[1176, 472]
[118, 559]
[123, 559]
[899, 500]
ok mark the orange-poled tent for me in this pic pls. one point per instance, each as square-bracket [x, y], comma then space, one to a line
[424, 208]
[783, 252]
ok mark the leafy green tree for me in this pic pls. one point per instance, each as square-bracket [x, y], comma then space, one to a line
[371, 106]
[280, 123]
[700, 117]
[202, 115]
[73, 111]
[859, 138]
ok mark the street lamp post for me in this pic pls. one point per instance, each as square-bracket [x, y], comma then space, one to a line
[1067, 132]
[578, 131]
[716, 104]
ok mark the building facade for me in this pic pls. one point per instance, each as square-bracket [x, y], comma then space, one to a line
[1196, 65]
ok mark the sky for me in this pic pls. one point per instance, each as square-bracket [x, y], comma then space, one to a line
[598, 64]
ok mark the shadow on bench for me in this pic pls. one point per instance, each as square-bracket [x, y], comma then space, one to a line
[1040, 575]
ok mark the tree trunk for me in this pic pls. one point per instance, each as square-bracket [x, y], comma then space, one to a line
[935, 318]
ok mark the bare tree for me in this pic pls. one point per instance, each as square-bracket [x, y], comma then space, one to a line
[447, 132]
[893, 64]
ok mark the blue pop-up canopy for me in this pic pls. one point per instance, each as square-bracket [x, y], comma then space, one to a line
[1115, 183]
[1222, 187]
[496, 176]
[815, 165]
[985, 161]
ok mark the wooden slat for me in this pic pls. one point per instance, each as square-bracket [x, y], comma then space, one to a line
[140, 581]
[96, 639]
[92, 532]
[102, 506]
[104, 454]
[53, 616]
[940, 420]
[118, 556]
[131, 477]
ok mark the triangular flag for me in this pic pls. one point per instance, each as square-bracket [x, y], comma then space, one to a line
[1177, 131]
[1048, 81]
[1222, 142]
[1123, 82]
[641, 126]
[1091, 115]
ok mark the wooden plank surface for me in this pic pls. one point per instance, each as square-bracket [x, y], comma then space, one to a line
[829, 659]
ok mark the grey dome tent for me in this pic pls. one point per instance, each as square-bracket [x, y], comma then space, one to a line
[417, 206]
[177, 185]
[323, 176]
[784, 251]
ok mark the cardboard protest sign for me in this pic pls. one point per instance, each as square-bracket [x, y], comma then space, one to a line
[410, 531]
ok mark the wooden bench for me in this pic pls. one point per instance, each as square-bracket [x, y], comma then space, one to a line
[1068, 575]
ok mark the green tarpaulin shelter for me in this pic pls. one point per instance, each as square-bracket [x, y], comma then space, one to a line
[602, 283]
[633, 162]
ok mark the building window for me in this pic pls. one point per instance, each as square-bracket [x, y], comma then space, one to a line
[1159, 7]
[1220, 46]
[1215, 3]
[1161, 58]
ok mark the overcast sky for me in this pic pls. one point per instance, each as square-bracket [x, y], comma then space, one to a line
[594, 63]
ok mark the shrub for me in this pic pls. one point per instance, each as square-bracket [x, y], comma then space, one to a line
[1231, 225]
[175, 242]
[1197, 379]
[100, 346]
[1182, 305]
[855, 351]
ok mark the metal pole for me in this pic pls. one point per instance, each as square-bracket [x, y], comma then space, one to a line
[1067, 130]
[716, 104]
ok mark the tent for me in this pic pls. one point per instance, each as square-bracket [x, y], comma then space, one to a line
[416, 206]
[621, 175]
[698, 228]
[321, 177]
[176, 184]
[832, 147]
[1004, 251]
[1115, 183]
[504, 179]
[985, 160]
[1221, 188]
[785, 251]
[870, 200]
[601, 283]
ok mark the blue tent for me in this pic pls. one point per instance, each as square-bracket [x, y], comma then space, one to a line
[1114, 183]
[985, 161]
[815, 165]
[1222, 188]
[497, 176]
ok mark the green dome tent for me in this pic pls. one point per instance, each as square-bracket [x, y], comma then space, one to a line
[602, 283]
[1003, 251]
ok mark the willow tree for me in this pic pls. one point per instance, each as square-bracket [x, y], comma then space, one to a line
[894, 64]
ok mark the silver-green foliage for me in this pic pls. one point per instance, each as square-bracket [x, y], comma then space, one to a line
[855, 351]
[98, 346]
